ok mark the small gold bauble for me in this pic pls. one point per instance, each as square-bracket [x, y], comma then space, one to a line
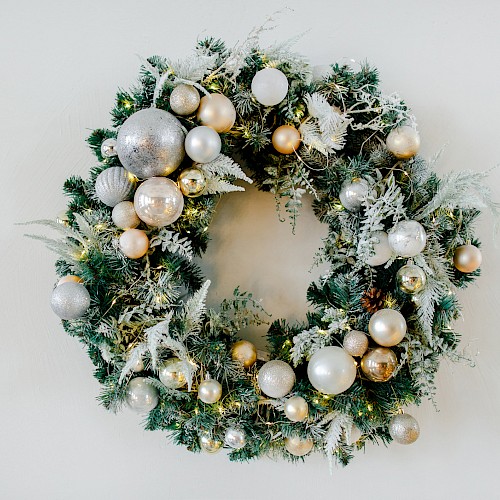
[298, 446]
[192, 182]
[467, 258]
[411, 278]
[134, 243]
[171, 374]
[208, 444]
[355, 343]
[184, 99]
[217, 111]
[286, 139]
[379, 364]
[296, 409]
[403, 142]
[69, 277]
[244, 352]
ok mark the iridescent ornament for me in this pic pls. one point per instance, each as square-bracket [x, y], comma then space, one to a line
[108, 148]
[235, 438]
[141, 396]
[298, 446]
[331, 370]
[171, 374]
[69, 277]
[192, 182]
[208, 444]
[203, 144]
[296, 409]
[355, 343]
[379, 364]
[114, 185]
[134, 243]
[124, 215]
[184, 99]
[217, 111]
[151, 143]
[276, 378]
[244, 352]
[404, 428]
[70, 300]
[382, 251]
[407, 238]
[411, 278]
[352, 193]
[209, 391]
[403, 142]
[158, 201]
[387, 327]
[467, 258]
[286, 139]
[269, 86]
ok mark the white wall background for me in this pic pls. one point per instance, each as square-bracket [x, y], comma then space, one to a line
[61, 63]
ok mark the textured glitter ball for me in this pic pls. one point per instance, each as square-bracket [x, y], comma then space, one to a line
[70, 300]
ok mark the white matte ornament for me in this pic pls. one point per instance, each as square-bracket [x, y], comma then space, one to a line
[296, 409]
[141, 396]
[404, 428]
[108, 148]
[184, 99]
[114, 185]
[403, 142]
[203, 144]
[124, 215]
[269, 86]
[209, 391]
[387, 327]
[298, 446]
[352, 193]
[331, 370]
[407, 238]
[171, 374]
[70, 300]
[235, 438]
[134, 243]
[382, 252]
[276, 378]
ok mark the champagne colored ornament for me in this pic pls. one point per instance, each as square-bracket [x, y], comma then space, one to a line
[331, 370]
[151, 143]
[69, 277]
[208, 444]
[354, 435]
[404, 428]
[235, 438]
[134, 243]
[70, 300]
[407, 238]
[184, 99]
[355, 343]
[276, 378]
[286, 139]
[217, 111]
[387, 327]
[171, 374]
[467, 258]
[411, 278]
[141, 396]
[352, 193]
[114, 185]
[158, 202]
[403, 142]
[269, 86]
[192, 182]
[244, 352]
[382, 251]
[298, 446]
[296, 409]
[203, 144]
[379, 364]
[209, 391]
[124, 215]
[108, 148]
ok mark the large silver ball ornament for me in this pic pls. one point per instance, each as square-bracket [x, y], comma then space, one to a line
[411, 278]
[114, 185]
[269, 86]
[208, 443]
[379, 364]
[407, 238]
[70, 300]
[124, 215]
[355, 343]
[158, 201]
[209, 391]
[276, 378]
[141, 396]
[296, 409]
[171, 374]
[404, 428]
[403, 142]
[387, 327]
[184, 99]
[151, 143]
[352, 193]
[382, 251]
[298, 446]
[108, 148]
[235, 438]
[467, 258]
[331, 370]
[217, 111]
[203, 144]
[192, 182]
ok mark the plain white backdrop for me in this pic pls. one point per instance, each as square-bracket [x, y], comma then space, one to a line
[61, 63]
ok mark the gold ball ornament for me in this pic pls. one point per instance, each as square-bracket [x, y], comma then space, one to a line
[209, 391]
[134, 243]
[69, 277]
[208, 444]
[217, 111]
[192, 182]
[184, 99]
[403, 142]
[244, 352]
[411, 278]
[404, 428]
[355, 343]
[298, 446]
[467, 258]
[286, 139]
[296, 409]
[171, 374]
[379, 364]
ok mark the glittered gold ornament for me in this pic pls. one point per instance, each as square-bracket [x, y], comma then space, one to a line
[403, 142]
[69, 277]
[286, 139]
[217, 111]
[184, 99]
[298, 446]
[208, 444]
[296, 409]
[171, 374]
[209, 391]
[404, 428]
[467, 258]
[387, 327]
[244, 352]
[134, 243]
[124, 215]
[355, 343]
[411, 278]
[379, 364]
[192, 182]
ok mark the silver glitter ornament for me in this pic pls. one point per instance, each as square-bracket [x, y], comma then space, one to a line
[296, 409]
[411, 278]
[276, 378]
[151, 143]
[407, 238]
[208, 444]
[114, 185]
[108, 148]
[298, 446]
[184, 99]
[158, 201]
[235, 438]
[141, 396]
[209, 391]
[70, 300]
[352, 193]
[404, 428]
[355, 343]
[124, 215]
[203, 144]
[171, 374]
[192, 182]
[387, 327]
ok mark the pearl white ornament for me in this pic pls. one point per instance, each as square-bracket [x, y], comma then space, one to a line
[134, 243]
[387, 327]
[209, 391]
[203, 144]
[108, 148]
[70, 300]
[141, 396]
[269, 86]
[407, 238]
[298, 446]
[235, 438]
[352, 193]
[355, 343]
[296, 409]
[276, 378]
[171, 374]
[184, 99]
[382, 252]
[404, 428]
[124, 215]
[114, 185]
[331, 370]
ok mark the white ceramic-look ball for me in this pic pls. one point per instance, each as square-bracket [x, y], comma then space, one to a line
[124, 215]
[382, 252]
[235, 438]
[331, 370]
[209, 391]
[403, 142]
[217, 111]
[407, 238]
[387, 327]
[296, 409]
[141, 396]
[276, 378]
[298, 446]
[203, 144]
[108, 148]
[269, 86]
[134, 243]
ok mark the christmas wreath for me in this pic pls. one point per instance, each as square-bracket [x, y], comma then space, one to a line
[400, 243]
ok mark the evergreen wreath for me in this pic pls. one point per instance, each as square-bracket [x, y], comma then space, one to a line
[400, 243]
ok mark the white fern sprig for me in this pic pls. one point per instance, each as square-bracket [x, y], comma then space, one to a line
[223, 166]
[339, 425]
[195, 309]
[135, 356]
[173, 242]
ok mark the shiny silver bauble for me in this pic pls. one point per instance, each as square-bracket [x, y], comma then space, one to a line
[407, 238]
[411, 278]
[141, 396]
[114, 185]
[352, 193]
[235, 438]
[171, 374]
